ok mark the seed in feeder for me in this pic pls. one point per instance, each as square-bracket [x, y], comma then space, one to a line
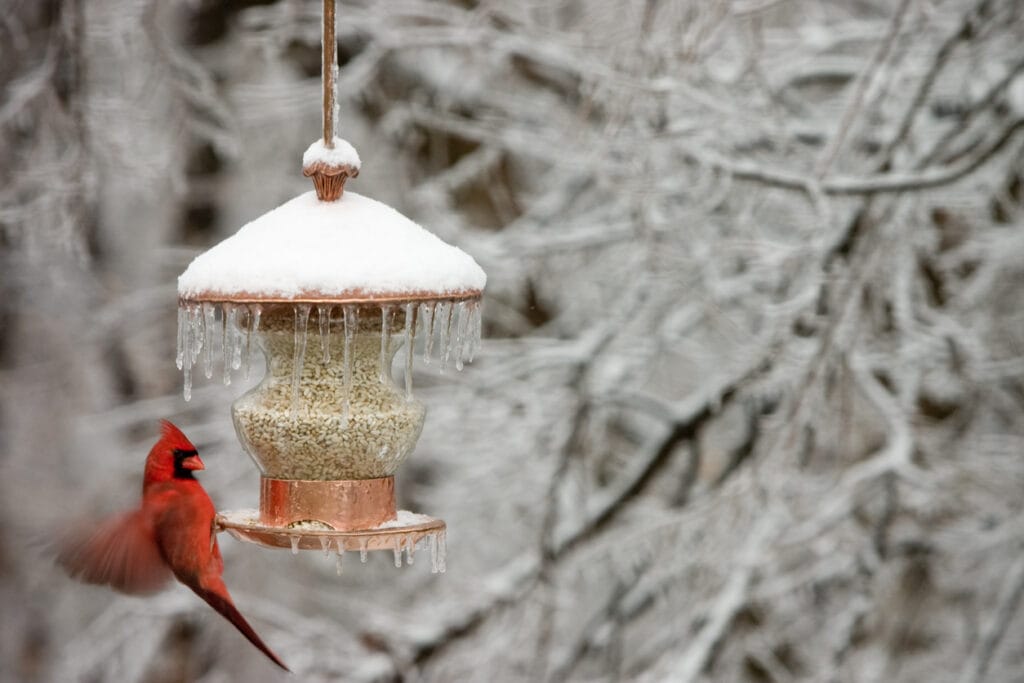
[319, 440]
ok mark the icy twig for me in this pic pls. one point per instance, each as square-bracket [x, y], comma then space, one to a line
[1010, 596]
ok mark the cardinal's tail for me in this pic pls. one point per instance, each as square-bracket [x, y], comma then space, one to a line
[221, 601]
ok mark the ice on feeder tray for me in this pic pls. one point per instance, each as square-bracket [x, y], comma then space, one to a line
[407, 539]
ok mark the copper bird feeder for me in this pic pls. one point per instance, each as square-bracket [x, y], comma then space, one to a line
[328, 426]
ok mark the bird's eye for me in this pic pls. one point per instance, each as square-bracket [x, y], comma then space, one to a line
[181, 453]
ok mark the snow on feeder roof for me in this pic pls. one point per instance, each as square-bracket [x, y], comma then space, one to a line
[352, 249]
[328, 427]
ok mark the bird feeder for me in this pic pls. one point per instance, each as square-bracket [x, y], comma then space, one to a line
[330, 286]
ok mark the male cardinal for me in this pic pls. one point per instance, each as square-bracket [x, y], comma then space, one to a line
[171, 533]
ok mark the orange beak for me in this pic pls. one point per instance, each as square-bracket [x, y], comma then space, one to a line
[193, 462]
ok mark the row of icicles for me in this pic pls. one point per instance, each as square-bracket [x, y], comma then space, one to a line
[435, 542]
[456, 325]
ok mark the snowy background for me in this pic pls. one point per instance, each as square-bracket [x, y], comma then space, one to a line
[750, 405]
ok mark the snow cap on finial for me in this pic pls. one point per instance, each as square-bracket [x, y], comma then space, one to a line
[330, 166]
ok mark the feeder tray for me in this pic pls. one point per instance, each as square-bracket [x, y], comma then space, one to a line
[245, 525]
[344, 515]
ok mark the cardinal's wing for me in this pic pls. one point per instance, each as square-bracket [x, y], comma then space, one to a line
[120, 552]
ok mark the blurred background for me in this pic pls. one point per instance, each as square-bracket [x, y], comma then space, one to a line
[750, 405]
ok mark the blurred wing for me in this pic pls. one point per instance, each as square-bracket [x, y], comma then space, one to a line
[120, 552]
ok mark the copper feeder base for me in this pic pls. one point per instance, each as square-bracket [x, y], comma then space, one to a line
[335, 516]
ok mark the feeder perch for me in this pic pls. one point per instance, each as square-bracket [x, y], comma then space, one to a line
[329, 286]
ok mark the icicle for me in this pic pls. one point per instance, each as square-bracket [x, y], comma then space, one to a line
[338, 564]
[410, 342]
[301, 320]
[325, 545]
[469, 333]
[351, 322]
[196, 331]
[410, 550]
[445, 320]
[295, 544]
[427, 313]
[187, 361]
[252, 326]
[236, 339]
[323, 313]
[226, 341]
[209, 320]
[187, 356]
[362, 550]
[475, 326]
[385, 343]
[180, 353]
[433, 553]
[398, 551]
[460, 333]
[442, 552]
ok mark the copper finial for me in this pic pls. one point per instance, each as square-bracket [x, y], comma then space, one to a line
[329, 179]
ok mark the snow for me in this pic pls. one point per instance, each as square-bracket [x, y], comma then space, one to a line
[251, 517]
[353, 246]
[405, 518]
[342, 154]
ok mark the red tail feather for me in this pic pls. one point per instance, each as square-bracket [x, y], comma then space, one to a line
[223, 604]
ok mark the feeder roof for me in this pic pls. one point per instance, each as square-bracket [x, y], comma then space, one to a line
[355, 248]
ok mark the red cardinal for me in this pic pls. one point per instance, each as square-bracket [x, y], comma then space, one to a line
[171, 533]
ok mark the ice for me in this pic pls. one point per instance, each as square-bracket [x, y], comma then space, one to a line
[325, 545]
[236, 338]
[362, 550]
[323, 312]
[196, 331]
[475, 327]
[433, 553]
[190, 346]
[301, 320]
[410, 339]
[295, 544]
[351, 322]
[227, 341]
[180, 353]
[398, 551]
[209, 320]
[187, 391]
[427, 313]
[385, 343]
[410, 550]
[251, 328]
[445, 320]
[338, 564]
[442, 552]
[460, 332]
[457, 341]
